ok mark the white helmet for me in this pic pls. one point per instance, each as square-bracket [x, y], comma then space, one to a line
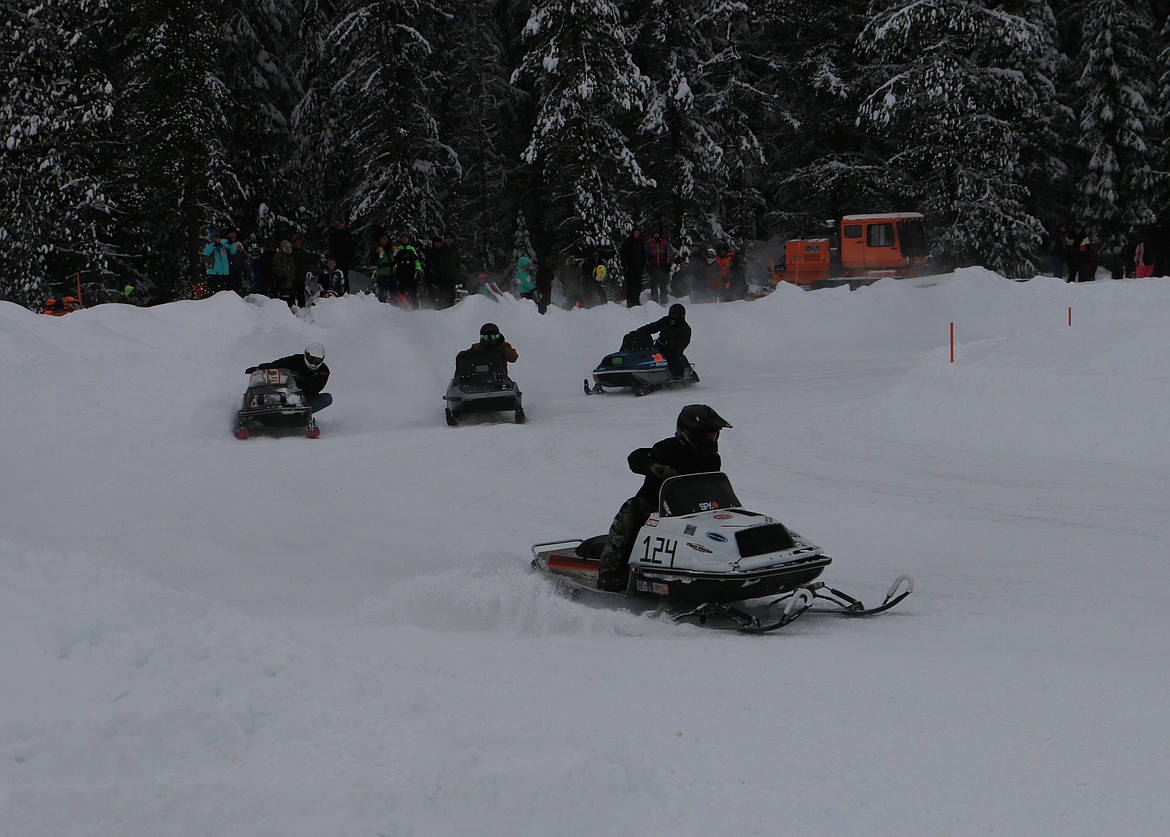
[314, 355]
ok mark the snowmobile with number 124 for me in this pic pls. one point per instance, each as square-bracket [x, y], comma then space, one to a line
[704, 557]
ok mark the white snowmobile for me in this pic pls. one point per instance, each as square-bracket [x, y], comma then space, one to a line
[703, 556]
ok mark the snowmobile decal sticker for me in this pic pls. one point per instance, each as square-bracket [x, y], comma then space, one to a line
[658, 549]
[724, 516]
[699, 548]
[657, 588]
[652, 521]
[688, 530]
[717, 537]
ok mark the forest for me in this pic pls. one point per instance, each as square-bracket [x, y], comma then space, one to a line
[542, 127]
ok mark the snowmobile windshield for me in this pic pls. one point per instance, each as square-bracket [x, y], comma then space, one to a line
[694, 493]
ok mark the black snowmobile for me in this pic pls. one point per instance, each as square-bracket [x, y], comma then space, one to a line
[639, 365]
[704, 557]
[481, 385]
[274, 401]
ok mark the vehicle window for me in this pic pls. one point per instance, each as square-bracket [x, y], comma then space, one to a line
[880, 235]
[852, 231]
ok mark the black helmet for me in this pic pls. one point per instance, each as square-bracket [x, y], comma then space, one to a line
[698, 426]
[490, 333]
[677, 310]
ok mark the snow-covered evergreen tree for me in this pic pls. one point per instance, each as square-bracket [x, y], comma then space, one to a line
[386, 92]
[174, 174]
[946, 90]
[257, 55]
[821, 163]
[322, 176]
[578, 66]
[1115, 100]
[702, 149]
[54, 106]
[478, 114]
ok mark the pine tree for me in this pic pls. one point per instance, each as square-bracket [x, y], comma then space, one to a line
[577, 65]
[323, 177]
[1115, 98]
[821, 163]
[477, 115]
[173, 175]
[386, 90]
[54, 107]
[702, 150]
[257, 54]
[946, 90]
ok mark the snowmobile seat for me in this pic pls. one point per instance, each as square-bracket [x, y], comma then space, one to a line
[592, 547]
[637, 341]
[481, 369]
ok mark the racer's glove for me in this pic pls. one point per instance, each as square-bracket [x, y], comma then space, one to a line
[250, 370]
[660, 471]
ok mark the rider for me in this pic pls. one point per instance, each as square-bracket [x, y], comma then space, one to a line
[310, 371]
[490, 339]
[674, 335]
[694, 449]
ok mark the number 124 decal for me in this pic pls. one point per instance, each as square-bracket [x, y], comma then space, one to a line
[658, 549]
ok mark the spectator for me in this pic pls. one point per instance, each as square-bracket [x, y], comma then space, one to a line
[525, 281]
[707, 280]
[333, 281]
[382, 260]
[340, 242]
[571, 279]
[658, 260]
[593, 273]
[723, 288]
[407, 271]
[446, 271]
[217, 260]
[1078, 255]
[261, 259]
[307, 265]
[284, 270]
[633, 258]
[238, 262]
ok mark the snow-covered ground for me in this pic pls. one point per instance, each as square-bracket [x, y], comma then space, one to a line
[205, 636]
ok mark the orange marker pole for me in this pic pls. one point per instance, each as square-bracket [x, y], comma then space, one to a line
[952, 342]
[1070, 315]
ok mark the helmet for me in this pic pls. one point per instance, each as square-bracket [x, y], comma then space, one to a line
[698, 426]
[314, 355]
[490, 333]
[677, 310]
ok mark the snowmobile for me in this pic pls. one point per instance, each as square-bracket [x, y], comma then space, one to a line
[274, 401]
[703, 557]
[481, 385]
[640, 365]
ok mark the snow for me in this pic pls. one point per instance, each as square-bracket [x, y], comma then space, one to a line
[290, 637]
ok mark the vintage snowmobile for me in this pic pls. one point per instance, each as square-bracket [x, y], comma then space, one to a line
[640, 366]
[481, 385]
[274, 401]
[704, 557]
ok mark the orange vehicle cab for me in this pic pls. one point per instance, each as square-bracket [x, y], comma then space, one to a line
[860, 250]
